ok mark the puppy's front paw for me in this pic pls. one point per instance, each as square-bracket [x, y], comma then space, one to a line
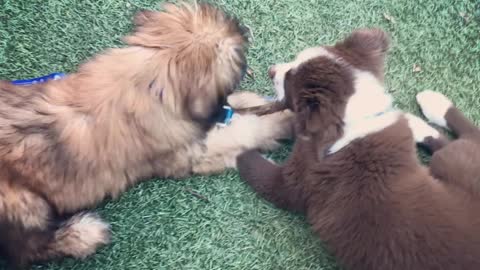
[246, 157]
[245, 99]
[248, 165]
[279, 125]
[420, 129]
[261, 132]
[434, 106]
[246, 130]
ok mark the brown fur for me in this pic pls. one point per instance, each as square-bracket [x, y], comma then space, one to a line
[128, 114]
[372, 202]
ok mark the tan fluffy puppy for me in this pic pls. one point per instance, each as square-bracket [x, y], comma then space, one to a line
[128, 114]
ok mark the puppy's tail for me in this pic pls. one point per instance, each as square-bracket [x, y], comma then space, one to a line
[77, 237]
[80, 236]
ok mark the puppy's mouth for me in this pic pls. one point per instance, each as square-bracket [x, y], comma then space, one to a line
[276, 73]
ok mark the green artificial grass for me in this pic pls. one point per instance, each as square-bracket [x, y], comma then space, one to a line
[161, 224]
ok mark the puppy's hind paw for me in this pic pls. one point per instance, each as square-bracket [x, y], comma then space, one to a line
[434, 106]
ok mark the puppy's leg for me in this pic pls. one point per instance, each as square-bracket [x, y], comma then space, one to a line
[266, 178]
[439, 110]
[245, 99]
[425, 135]
[31, 233]
[246, 132]
[458, 164]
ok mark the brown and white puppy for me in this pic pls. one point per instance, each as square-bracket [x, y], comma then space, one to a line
[354, 170]
[126, 115]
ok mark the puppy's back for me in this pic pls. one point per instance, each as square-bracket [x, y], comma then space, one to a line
[377, 209]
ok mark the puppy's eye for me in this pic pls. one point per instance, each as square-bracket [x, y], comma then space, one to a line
[311, 85]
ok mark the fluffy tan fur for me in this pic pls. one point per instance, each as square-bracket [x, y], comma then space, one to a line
[126, 115]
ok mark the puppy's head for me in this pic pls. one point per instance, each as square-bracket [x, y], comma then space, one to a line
[201, 53]
[334, 85]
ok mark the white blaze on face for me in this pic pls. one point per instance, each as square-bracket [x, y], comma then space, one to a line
[363, 112]
[282, 69]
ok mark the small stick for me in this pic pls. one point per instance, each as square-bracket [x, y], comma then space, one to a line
[198, 195]
[250, 73]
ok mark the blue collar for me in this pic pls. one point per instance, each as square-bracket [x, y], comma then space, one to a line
[380, 113]
[46, 78]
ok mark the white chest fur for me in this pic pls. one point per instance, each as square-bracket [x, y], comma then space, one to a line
[363, 128]
[368, 110]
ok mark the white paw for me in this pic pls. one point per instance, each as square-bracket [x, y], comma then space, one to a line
[434, 106]
[420, 129]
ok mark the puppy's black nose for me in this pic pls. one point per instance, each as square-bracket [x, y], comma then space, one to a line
[271, 72]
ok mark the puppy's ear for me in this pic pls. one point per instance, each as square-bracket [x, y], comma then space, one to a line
[370, 47]
[309, 121]
[203, 106]
[142, 17]
[140, 33]
[372, 41]
[149, 30]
